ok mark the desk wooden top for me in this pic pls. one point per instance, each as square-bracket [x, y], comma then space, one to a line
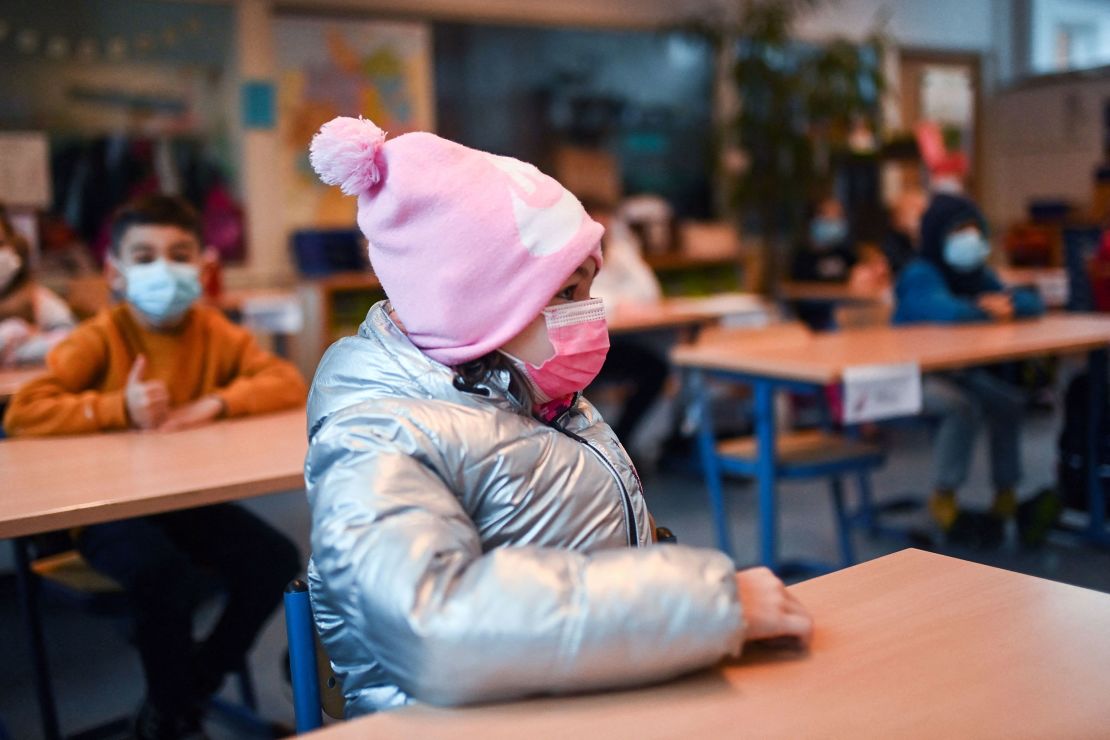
[12, 379]
[236, 299]
[1030, 275]
[912, 645]
[674, 313]
[822, 358]
[829, 292]
[60, 482]
[686, 261]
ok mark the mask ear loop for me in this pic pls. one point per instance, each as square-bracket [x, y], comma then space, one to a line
[569, 314]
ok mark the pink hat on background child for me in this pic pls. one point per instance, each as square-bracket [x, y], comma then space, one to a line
[468, 246]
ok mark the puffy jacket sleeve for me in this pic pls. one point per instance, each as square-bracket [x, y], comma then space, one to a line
[64, 400]
[261, 382]
[451, 624]
[923, 296]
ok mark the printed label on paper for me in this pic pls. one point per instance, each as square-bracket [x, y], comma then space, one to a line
[873, 392]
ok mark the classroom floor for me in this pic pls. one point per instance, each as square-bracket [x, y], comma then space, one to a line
[97, 676]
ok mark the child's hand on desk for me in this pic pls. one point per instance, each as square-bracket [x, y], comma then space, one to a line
[193, 414]
[999, 305]
[769, 609]
[148, 402]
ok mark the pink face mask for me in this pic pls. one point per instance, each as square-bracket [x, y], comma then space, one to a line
[580, 337]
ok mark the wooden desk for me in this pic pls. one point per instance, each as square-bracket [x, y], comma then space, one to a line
[828, 293]
[60, 482]
[677, 313]
[1050, 282]
[912, 645]
[681, 261]
[1031, 275]
[334, 306]
[810, 361]
[235, 300]
[12, 379]
[822, 358]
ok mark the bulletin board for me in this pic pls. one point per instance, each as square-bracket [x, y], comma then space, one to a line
[380, 70]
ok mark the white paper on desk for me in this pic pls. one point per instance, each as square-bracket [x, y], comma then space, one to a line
[273, 314]
[874, 392]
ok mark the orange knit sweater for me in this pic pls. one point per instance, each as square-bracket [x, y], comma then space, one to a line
[83, 390]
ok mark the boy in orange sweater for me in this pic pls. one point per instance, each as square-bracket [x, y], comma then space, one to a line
[159, 362]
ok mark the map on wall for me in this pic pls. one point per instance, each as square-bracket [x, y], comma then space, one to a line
[375, 69]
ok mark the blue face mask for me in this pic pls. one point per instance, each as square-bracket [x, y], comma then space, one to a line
[966, 251]
[827, 232]
[162, 291]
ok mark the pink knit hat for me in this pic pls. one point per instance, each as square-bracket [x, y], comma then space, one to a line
[469, 246]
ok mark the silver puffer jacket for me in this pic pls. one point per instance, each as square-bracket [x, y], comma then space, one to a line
[464, 551]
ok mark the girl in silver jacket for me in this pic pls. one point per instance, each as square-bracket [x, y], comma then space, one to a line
[478, 532]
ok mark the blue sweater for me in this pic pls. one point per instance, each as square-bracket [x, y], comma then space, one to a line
[923, 296]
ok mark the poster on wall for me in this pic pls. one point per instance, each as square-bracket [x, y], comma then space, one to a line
[379, 70]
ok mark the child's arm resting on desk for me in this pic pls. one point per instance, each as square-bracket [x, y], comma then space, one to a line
[260, 382]
[403, 572]
[62, 401]
[1027, 302]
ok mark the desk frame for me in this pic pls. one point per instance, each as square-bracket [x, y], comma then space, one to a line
[178, 495]
[766, 469]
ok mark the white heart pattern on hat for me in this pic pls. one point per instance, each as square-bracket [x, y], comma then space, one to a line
[547, 215]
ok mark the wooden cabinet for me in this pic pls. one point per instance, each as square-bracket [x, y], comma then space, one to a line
[709, 259]
[334, 306]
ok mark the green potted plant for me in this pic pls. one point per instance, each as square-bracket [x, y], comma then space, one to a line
[800, 110]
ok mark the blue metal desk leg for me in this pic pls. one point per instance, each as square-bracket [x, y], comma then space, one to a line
[32, 619]
[1096, 501]
[766, 472]
[710, 465]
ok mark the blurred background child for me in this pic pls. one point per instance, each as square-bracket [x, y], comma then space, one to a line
[903, 234]
[627, 280]
[827, 255]
[32, 317]
[161, 362]
[950, 283]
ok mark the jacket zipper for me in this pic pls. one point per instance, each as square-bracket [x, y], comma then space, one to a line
[626, 497]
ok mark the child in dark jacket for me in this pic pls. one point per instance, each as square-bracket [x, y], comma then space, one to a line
[950, 283]
[827, 256]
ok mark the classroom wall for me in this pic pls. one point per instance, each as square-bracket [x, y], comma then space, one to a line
[1045, 141]
[1049, 16]
[941, 24]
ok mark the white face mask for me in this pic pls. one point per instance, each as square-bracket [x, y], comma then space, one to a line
[162, 291]
[10, 265]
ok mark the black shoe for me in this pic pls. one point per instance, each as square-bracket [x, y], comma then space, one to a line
[153, 723]
[977, 530]
[1037, 516]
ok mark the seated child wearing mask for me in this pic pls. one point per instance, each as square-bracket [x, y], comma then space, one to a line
[32, 317]
[828, 256]
[950, 283]
[478, 531]
[159, 362]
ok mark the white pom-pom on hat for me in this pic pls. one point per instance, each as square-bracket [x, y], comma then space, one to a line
[344, 152]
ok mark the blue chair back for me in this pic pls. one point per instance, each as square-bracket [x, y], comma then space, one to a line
[1080, 244]
[302, 657]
